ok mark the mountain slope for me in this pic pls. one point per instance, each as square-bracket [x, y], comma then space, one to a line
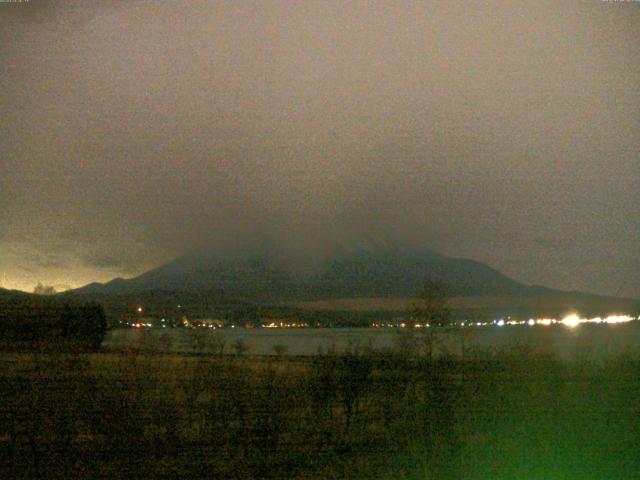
[374, 276]
[15, 295]
[378, 270]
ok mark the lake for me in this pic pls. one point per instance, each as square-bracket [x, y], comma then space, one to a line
[584, 341]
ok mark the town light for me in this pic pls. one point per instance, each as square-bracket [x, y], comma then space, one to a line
[571, 321]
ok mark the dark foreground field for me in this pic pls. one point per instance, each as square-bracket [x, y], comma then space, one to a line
[511, 414]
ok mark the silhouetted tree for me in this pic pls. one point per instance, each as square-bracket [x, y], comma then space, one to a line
[353, 379]
[430, 310]
[218, 343]
[280, 349]
[86, 324]
[166, 342]
[198, 339]
[432, 306]
[240, 346]
[41, 289]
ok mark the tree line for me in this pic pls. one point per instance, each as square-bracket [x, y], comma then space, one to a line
[28, 321]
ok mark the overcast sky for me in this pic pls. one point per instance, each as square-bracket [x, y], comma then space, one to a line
[507, 132]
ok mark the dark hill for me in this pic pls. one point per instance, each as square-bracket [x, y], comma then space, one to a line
[377, 271]
[366, 270]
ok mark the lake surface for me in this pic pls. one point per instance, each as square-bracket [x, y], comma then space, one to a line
[583, 341]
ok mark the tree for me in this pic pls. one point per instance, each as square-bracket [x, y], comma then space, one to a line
[166, 342]
[280, 349]
[353, 376]
[85, 324]
[41, 289]
[241, 347]
[198, 339]
[218, 343]
[432, 306]
[431, 310]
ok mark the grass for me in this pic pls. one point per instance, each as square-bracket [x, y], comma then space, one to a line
[511, 414]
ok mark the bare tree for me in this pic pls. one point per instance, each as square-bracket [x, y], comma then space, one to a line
[41, 289]
[241, 347]
[198, 339]
[280, 349]
[166, 342]
[431, 310]
[218, 343]
[432, 306]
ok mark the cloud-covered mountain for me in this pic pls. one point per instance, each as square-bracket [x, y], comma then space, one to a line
[368, 269]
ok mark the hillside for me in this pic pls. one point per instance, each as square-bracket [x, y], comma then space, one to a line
[383, 274]
[378, 271]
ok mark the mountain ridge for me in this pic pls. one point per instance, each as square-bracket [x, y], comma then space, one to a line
[372, 270]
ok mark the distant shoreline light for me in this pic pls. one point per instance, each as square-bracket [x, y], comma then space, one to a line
[571, 321]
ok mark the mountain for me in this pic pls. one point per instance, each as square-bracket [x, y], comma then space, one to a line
[13, 295]
[366, 270]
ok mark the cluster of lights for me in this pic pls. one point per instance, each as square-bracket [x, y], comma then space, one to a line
[571, 321]
[574, 320]
[286, 325]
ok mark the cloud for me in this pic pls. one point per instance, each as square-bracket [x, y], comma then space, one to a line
[137, 131]
[113, 261]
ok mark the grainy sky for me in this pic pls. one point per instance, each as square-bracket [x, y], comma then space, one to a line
[507, 132]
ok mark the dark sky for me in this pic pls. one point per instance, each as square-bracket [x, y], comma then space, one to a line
[507, 132]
